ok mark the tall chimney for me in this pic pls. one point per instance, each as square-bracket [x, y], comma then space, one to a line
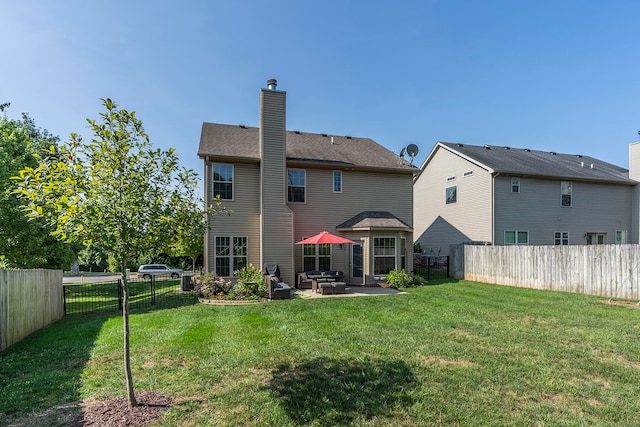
[276, 228]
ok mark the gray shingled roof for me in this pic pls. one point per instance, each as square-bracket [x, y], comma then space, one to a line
[519, 161]
[242, 142]
[374, 219]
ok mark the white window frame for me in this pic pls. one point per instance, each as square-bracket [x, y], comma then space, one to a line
[515, 184]
[621, 237]
[316, 255]
[517, 234]
[334, 175]
[566, 189]
[290, 185]
[231, 256]
[214, 181]
[384, 255]
[561, 238]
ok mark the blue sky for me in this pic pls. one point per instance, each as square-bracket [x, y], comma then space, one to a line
[558, 75]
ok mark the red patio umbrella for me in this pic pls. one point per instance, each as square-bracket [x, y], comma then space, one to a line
[323, 238]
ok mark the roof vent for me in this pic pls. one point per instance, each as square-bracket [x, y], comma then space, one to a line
[579, 156]
[507, 148]
[460, 145]
[486, 147]
[591, 165]
[349, 137]
[528, 150]
[324, 134]
[242, 126]
[272, 84]
[297, 132]
[553, 153]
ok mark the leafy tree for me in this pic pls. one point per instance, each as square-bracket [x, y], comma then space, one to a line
[23, 243]
[190, 236]
[115, 191]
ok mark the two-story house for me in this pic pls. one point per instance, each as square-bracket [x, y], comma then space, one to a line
[506, 196]
[284, 186]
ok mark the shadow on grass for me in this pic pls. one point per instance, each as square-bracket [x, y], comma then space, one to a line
[328, 391]
[43, 371]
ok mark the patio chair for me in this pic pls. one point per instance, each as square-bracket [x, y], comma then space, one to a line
[277, 288]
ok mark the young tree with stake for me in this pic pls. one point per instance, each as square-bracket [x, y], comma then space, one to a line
[115, 191]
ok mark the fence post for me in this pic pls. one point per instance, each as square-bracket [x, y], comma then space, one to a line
[448, 266]
[120, 294]
[153, 290]
[64, 299]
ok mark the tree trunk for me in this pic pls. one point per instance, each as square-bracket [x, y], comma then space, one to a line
[193, 263]
[127, 347]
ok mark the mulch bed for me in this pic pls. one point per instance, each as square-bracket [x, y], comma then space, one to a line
[108, 413]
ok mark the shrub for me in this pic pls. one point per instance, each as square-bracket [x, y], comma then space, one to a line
[251, 284]
[399, 279]
[211, 287]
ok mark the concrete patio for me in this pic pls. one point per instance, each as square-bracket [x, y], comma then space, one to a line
[351, 291]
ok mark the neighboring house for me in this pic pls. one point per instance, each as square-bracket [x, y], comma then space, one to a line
[502, 195]
[284, 186]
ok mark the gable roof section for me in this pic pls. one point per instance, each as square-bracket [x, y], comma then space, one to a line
[543, 164]
[242, 143]
[369, 220]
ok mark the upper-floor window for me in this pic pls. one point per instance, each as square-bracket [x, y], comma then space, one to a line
[565, 192]
[296, 185]
[515, 237]
[561, 238]
[515, 185]
[451, 194]
[337, 181]
[223, 181]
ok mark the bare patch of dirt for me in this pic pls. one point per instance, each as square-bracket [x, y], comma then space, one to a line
[629, 304]
[108, 413]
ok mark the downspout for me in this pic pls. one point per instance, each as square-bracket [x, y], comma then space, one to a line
[493, 207]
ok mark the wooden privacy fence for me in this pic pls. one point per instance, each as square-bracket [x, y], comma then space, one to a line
[29, 300]
[605, 270]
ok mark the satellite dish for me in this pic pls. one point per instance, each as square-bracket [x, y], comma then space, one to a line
[412, 150]
[403, 149]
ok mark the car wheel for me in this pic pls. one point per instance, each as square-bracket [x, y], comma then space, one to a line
[146, 276]
[174, 275]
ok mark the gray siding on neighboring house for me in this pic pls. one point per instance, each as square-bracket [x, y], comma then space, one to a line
[438, 224]
[277, 219]
[244, 221]
[601, 208]
[361, 191]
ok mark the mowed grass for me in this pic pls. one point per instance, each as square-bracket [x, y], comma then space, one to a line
[460, 353]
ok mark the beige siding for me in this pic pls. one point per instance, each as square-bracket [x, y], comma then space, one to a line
[361, 191]
[244, 221]
[602, 208]
[277, 219]
[437, 224]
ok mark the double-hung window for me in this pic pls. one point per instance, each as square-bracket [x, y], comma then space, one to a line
[316, 257]
[515, 237]
[223, 181]
[296, 185]
[231, 255]
[337, 181]
[621, 236]
[515, 185]
[565, 193]
[384, 254]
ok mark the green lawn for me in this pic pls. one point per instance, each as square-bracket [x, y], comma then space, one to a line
[459, 353]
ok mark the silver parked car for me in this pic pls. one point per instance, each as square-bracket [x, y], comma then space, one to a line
[147, 270]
